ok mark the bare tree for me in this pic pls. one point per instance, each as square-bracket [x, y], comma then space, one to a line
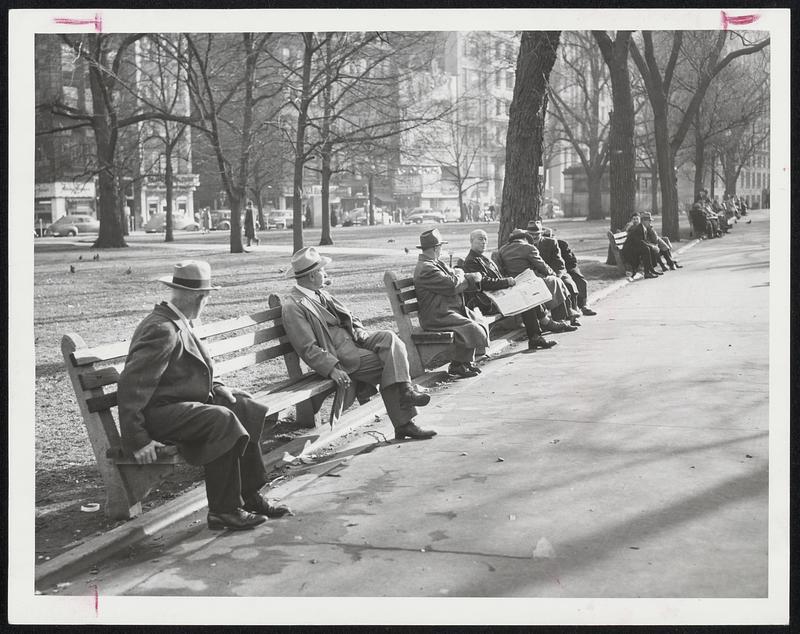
[577, 86]
[622, 154]
[659, 89]
[537, 54]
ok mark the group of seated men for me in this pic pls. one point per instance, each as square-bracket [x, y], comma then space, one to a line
[168, 394]
[712, 219]
[643, 246]
[450, 298]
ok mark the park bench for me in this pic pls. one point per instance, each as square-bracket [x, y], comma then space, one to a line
[234, 344]
[615, 243]
[426, 349]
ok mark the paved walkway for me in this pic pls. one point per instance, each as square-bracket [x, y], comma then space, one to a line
[629, 461]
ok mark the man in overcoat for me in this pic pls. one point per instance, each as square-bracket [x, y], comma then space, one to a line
[637, 250]
[571, 264]
[441, 304]
[519, 254]
[492, 280]
[335, 344]
[167, 393]
[551, 254]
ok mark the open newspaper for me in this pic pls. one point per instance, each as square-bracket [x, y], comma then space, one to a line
[529, 291]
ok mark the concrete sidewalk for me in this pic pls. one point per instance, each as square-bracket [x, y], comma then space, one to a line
[629, 461]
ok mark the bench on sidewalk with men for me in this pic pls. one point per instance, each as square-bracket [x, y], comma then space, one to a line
[426, 349]
[234, 344]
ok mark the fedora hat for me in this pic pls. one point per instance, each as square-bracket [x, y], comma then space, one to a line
[430, 238]
[534, 226]
[519, 234]
[646, 215]
[190, 275]
[305, 261]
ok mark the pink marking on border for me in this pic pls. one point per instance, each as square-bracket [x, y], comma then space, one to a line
[737, 20]
[97, 21]
[96, 600]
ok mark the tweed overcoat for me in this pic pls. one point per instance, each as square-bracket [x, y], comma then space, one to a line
[165, 392]
[441, 303]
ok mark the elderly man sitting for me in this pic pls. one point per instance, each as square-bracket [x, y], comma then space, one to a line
[493, 280]
[333, 343]
[551, 254]
[168, 394]
[441, 304]
[571, 263]
[519, 254]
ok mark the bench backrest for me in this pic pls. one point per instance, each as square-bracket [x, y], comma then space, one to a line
[94, 371]
[618, 238]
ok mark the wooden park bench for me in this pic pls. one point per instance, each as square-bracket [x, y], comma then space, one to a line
[426, 349]
[615, 243]
[234, 344]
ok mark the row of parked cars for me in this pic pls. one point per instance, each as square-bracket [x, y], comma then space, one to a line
[74, 224]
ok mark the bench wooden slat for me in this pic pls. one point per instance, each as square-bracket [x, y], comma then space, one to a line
[403, 283]
[410, 307]
[277, 399]
[428, 336]
[247, 340]
[91, 379]
[213, 329]
[253, 358]
[99, 403]
[404, 296]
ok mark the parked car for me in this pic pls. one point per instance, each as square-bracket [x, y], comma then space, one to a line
[451, 214]
[359, 216]
[280, 219]
[158, 223]
[73, 225]
[420, 215]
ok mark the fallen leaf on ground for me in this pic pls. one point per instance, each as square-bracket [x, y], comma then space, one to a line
[543, 550]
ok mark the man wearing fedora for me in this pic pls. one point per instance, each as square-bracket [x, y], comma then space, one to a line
[638, 247]
[551, 254]
[335, 344]
[571, 264]
[492, 280]
[519, 254]
[168, 394]
[441, 304]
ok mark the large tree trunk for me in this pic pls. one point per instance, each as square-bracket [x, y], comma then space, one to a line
[622, 158]
[325, 238]
[537, 54]
[654, 187]
[105, 137]
[300, 143]
[594, 183]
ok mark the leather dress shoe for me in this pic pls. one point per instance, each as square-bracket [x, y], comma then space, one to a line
[650, 276]
[560, 326]
[678, 266]
[473, 367]
[258, 505]
[410, 430]
[587, 311]
[236, 520]
[540, 342]
[461, 370]
[574, 321]
[411, 396]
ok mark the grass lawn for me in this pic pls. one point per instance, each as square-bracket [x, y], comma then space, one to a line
[104, 300]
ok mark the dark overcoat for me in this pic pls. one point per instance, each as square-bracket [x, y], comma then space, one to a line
[165, 393]
[441, 303]
[491, 280]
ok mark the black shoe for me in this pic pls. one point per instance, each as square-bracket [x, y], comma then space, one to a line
[462, 370]
[587, 311]
[654, 272]
[649, 276]
[541, 342]
[236, 520]
[561, 326]
[473, 367]
[411, 397]
[258, 505]
[574, 322]
[410, 430]
[677, 266]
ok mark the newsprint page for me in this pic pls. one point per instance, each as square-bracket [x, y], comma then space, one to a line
[350, 432]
